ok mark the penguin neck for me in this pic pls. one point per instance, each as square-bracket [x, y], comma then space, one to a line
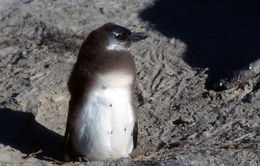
[115, 47]
[98, 59]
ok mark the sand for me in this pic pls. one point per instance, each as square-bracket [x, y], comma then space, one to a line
[182, 119]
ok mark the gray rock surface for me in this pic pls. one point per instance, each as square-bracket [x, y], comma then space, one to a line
[181, 120]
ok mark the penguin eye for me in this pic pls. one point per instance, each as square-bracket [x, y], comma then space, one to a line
[119, 36]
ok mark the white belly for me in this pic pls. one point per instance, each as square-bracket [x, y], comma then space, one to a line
[106, 124]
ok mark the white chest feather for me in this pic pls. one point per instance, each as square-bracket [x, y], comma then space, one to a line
[106, 124]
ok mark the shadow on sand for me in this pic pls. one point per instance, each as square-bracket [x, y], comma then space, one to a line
[221, 35]
[20, 131]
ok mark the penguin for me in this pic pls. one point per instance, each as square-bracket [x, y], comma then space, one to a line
[102, 119]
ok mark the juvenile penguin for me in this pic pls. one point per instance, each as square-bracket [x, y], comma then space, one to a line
[101, 123]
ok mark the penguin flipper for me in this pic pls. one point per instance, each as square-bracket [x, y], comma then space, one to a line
[65, 156]
[135, 134]
[68, 153]
[136, 151]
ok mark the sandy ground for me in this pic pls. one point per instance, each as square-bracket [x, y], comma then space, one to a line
[182, 120]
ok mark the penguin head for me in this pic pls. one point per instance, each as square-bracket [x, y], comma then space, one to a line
[121, 38]
[113, 37]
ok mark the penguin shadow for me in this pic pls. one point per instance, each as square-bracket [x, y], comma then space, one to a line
[20, 131]
[220, 35]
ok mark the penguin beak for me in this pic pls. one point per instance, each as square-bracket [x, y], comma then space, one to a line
[137, 36]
